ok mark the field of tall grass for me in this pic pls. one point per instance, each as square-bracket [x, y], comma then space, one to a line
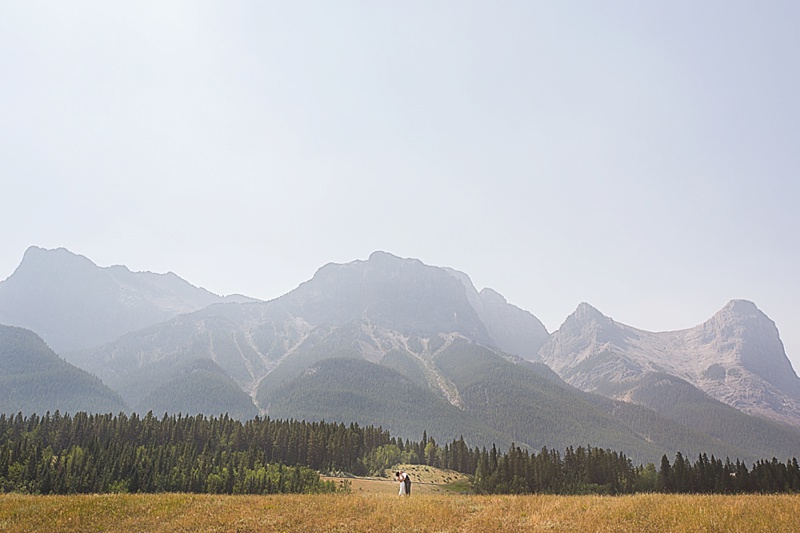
[378, 512]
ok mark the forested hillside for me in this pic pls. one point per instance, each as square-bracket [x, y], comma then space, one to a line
[347, 389]
[34, 379]
[198, 387]
[693, 408]
[531, 405]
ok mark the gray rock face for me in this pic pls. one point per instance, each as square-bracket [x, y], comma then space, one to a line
[512, 330]
[736, 357]
[383, 307]
[429, 328]
[72, 303]
[402, 294]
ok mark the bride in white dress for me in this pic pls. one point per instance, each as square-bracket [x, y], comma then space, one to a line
[401, 478]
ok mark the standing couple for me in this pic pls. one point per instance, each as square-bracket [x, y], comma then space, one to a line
[405, 483]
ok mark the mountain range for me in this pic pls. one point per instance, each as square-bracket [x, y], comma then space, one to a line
[735, 357]
[72, 303]
[412, 347]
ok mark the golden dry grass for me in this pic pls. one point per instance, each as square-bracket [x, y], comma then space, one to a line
[377, 512]
[385, 486]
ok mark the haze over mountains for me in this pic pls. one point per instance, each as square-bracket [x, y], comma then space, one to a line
[33, 379]
[412, 347]
[735, 357]
[72, 303]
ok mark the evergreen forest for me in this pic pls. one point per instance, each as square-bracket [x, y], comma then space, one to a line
[92, 453]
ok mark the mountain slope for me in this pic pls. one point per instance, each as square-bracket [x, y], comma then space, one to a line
[502, 401]
[33, 379]
[354, 390]
[735, 357]
[199, 387]
[691, 407]
[383, 306]
[524, 400]
[512, 330]
[532, 408]
[387, 317]
[72, 303]
[404, 295]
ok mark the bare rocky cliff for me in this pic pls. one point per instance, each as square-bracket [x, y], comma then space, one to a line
[510, 328]
[736, 357]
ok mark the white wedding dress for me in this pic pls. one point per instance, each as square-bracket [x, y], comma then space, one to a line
[402, 488]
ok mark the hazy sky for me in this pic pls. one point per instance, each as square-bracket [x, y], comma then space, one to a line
[640, 156]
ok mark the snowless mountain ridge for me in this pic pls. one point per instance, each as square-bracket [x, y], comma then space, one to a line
[736, 357]
[72, 303]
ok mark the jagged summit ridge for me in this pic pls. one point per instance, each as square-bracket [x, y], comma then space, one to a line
[72, 303]
[736, 357]
[428, 327]
[406, 294]
[384, 309]
[402, 294]
[753, 341]
[511, 329]
[587, 318]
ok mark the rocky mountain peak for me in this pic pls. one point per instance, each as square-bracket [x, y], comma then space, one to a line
[491, 295]
[738, 312]
[512, 329]
[741, 308]
[401, 294]
[736, 356]
[37, 253]
[754, 338]
[72, 303]
[586, 313]
[37, 261]
[583, 334]
[379, 264]
[379, 257]
[464, 279]
[739, 321]
[586, 319]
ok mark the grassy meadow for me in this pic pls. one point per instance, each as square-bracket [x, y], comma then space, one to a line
[379, 511]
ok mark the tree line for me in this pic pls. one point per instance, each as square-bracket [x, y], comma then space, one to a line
[598, 471]
[83, 453]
